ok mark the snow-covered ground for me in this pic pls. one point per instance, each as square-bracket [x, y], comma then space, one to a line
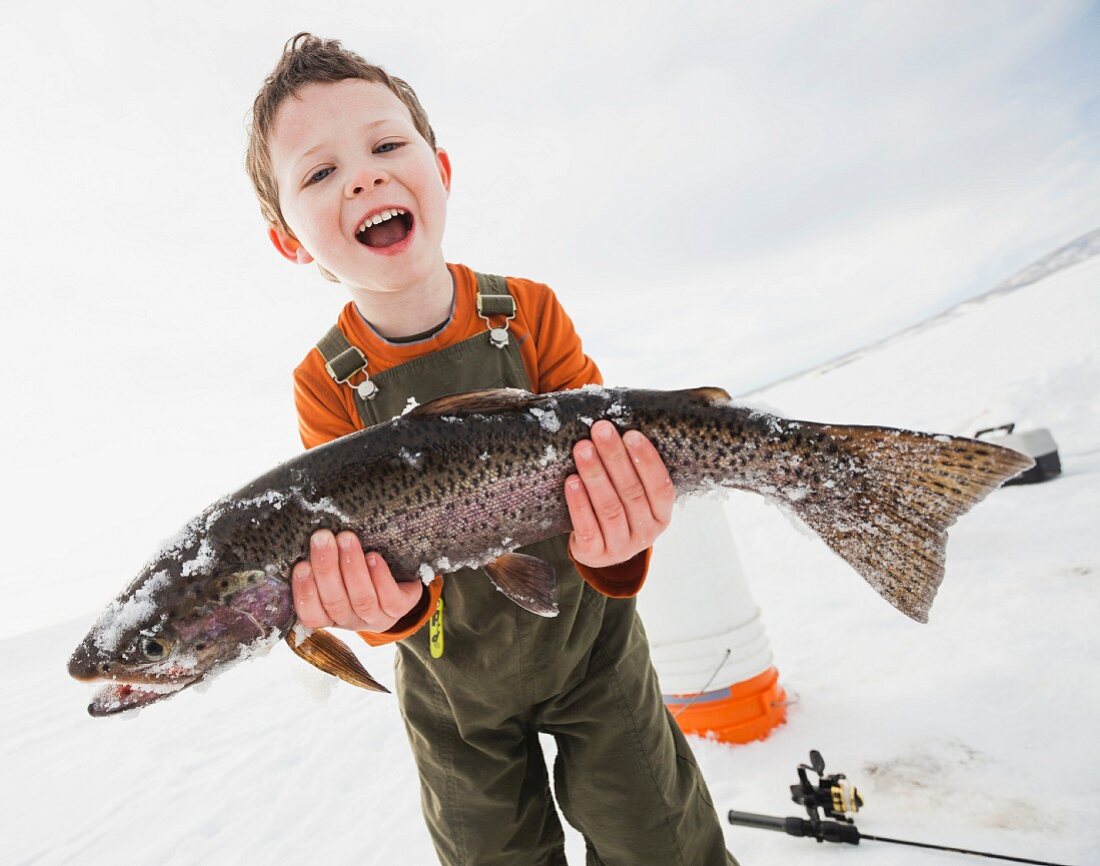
[975, 730]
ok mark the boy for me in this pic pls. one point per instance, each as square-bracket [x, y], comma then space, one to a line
[348, 174]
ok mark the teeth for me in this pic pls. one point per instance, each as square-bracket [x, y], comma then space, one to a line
[381, 216]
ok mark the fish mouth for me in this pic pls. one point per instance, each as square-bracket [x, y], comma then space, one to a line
[119, 696]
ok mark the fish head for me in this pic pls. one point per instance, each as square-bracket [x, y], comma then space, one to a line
[195, 609]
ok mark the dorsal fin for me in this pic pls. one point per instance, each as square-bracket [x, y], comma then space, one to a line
[707, 394]
[478, 402]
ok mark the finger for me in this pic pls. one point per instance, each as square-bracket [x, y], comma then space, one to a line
[586, 540]
[307, 604]
[624, 477]
[357, 583]
[653, 474]
[330, 584]
[395, 599]
[602, 494]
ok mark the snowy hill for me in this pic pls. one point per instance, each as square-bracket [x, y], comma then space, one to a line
[1077, 251]
[975, 730]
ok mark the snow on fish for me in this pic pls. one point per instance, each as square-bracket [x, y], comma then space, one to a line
[439, 487]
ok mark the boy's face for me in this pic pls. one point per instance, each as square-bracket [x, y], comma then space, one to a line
[342, 153]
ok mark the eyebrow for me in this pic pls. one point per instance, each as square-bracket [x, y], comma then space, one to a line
[317, 147]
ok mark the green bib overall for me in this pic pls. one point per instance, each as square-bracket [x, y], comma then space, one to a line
[624, 775]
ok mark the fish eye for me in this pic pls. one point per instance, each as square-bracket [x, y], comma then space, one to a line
[154, 649]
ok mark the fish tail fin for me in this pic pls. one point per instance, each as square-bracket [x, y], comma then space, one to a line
[883, 499]
[331, 655]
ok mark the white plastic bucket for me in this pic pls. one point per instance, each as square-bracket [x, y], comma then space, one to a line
[705, 632]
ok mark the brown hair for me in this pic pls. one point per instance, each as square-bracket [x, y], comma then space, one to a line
[308, 59]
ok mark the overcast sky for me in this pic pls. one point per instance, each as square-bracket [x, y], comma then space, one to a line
[821, 171]
[720, 193]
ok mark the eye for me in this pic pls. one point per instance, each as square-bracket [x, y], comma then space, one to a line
[154, 649]
[389, 146]
[318, 175]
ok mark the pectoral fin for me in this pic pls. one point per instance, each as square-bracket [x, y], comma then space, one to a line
[330, 654]
[529, 582]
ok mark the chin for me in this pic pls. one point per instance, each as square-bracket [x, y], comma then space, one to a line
[396, 274]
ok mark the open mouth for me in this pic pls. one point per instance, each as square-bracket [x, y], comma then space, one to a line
[385, 229]
[117, 697]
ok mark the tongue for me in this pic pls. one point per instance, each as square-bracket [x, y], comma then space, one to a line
[384, 234]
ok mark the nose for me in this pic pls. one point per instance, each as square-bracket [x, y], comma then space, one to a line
[82, 664]
[366, 178]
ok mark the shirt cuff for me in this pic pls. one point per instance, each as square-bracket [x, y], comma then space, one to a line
[624, 580]
[411, 622]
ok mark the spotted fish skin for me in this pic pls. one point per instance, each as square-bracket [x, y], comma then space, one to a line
[464, 479]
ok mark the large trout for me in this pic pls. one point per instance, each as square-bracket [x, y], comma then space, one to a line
[467, 479]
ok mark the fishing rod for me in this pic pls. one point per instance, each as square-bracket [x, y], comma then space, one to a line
[836, 798]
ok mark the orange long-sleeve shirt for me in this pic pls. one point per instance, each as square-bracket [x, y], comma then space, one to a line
[552, 356]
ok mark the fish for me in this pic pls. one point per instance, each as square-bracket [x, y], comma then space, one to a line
[465, 480]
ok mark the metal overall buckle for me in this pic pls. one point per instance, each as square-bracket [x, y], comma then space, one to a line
[347, 364]
[496, 305]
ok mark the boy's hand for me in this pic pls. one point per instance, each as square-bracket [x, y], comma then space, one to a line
[621, 498]
[341, 586]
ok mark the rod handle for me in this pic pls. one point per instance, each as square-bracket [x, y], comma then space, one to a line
[766, 822]
[827, 831]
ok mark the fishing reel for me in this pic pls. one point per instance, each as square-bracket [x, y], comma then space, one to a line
[833, 795]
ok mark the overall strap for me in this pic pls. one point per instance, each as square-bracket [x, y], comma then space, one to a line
[343, 361]
[494, 299]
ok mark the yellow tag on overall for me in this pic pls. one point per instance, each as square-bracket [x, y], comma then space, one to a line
[435, 631]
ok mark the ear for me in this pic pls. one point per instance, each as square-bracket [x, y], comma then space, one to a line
[443, 163]
[289, 247]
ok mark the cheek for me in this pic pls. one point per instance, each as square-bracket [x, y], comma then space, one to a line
[319, 225]
[311, 221]
[434, 197]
